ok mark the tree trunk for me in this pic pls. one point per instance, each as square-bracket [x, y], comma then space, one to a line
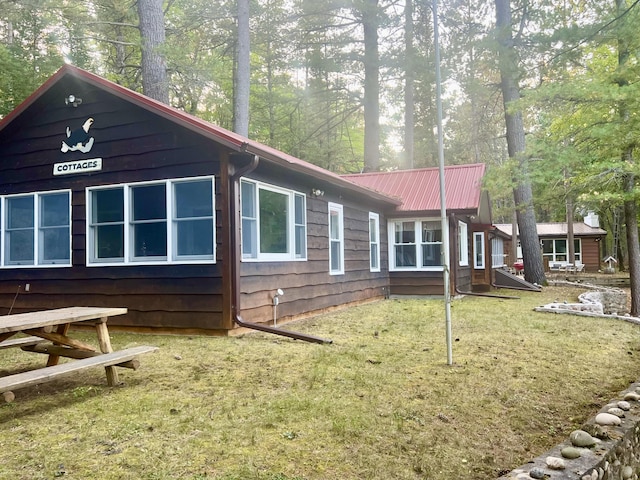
[370, 21]
[409, 81]
[522, 192]
[242, 79]
[630, 207]
[154, 68]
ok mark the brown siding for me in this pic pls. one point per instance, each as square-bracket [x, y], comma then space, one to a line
[134, 146]
[416, 283]
[308, 286]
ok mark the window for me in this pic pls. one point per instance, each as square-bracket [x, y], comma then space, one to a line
[463, 245]
[415, 245]
[497, 252]
[478, 250]
[274, 223]
[336, 239]
[374, 242]
[555, 249]
[37, 229]
[157, 222]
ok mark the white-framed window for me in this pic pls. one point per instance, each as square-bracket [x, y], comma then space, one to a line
[497, 253]
[415, 244]
[168, 221]
[463, 244]
[556, 250]
[478, 250]
[336, 239]
[274, 222]
[36, 229]
[374, 242]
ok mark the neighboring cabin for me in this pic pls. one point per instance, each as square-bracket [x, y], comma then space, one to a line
[415, 233]
[109, 198]
[587, 241]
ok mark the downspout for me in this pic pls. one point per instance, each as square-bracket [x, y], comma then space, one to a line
[235, 262]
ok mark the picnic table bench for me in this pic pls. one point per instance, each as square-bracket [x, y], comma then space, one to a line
[47, 332]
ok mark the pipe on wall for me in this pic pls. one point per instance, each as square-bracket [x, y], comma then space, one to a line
[235, 262]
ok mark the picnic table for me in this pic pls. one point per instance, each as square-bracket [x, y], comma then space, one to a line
[47, 332]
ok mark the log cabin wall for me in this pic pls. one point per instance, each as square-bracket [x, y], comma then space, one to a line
[307, 284]
[134, 146]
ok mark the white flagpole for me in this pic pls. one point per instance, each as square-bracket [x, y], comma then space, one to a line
[443, 207]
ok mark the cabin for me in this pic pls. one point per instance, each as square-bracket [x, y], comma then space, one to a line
[414, 229]
[109, 198]
[587, 240]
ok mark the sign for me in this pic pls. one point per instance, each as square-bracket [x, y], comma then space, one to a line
[80, 166]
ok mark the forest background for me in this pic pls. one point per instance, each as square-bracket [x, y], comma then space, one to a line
[350, 84]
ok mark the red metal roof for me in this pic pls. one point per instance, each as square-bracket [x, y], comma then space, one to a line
[419, 189]
[218, 134]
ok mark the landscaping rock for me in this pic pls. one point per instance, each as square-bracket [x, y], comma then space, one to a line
[580, 438]
[632, 396]
[626, 406]
[555, 463]
[571, 452]
[607, 419]
[627, 472]
[536, 472]
[618, 412]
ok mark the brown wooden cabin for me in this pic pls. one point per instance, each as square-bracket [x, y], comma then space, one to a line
[587, 238]
[415, 233]
[109, 198]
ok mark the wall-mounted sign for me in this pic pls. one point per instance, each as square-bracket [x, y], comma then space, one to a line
[80, 166]
[78, 139]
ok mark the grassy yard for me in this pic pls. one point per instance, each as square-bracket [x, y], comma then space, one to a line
[379, 403]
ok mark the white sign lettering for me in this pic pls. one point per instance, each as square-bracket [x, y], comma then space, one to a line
[80, 166]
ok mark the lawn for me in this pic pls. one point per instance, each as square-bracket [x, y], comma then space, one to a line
[378, 403]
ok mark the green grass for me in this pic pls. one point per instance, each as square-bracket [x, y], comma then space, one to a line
[379, 403]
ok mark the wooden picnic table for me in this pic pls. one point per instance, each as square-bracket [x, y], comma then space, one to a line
[47, 332]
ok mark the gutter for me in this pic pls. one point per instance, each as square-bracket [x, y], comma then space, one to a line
[234, 193]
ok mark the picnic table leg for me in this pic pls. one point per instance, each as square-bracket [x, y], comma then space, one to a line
[62, 329]
[105, 347]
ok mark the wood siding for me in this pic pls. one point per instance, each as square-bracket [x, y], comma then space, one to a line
[308, 286]
[134, 145]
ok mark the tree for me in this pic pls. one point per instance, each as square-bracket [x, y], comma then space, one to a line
[242, 77]
[155, 83]
[516, 146]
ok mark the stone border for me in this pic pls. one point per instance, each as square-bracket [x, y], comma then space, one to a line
[608, 449]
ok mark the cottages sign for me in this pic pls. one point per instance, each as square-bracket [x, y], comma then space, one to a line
[78, 140]
[80, 166]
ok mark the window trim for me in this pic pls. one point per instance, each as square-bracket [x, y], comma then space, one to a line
[292, 226]
[418, 243]
[479, 265]
[339, 209]
[374, 244]
[129, 258]
[36, 229]
[463, 244]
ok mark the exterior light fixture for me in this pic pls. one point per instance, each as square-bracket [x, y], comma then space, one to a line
[316, 192]
[72, 100]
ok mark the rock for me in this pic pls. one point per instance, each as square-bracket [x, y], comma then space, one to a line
[622, 405]
[607, 419]
[555, 463]
[536, 472]
[580, 438]
[590, 476]
[618, 412]
[571, 452]
[632, 396]
[627, 472]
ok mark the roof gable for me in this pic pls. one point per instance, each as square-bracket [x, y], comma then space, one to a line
[231, 140]
[419, 189]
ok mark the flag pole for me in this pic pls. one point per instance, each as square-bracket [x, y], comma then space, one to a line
[443, 207]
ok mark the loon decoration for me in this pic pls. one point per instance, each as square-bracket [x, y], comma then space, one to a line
[78, 139]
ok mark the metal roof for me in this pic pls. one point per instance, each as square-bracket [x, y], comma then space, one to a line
[557, 229]
[220, 135]
[419, 189]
